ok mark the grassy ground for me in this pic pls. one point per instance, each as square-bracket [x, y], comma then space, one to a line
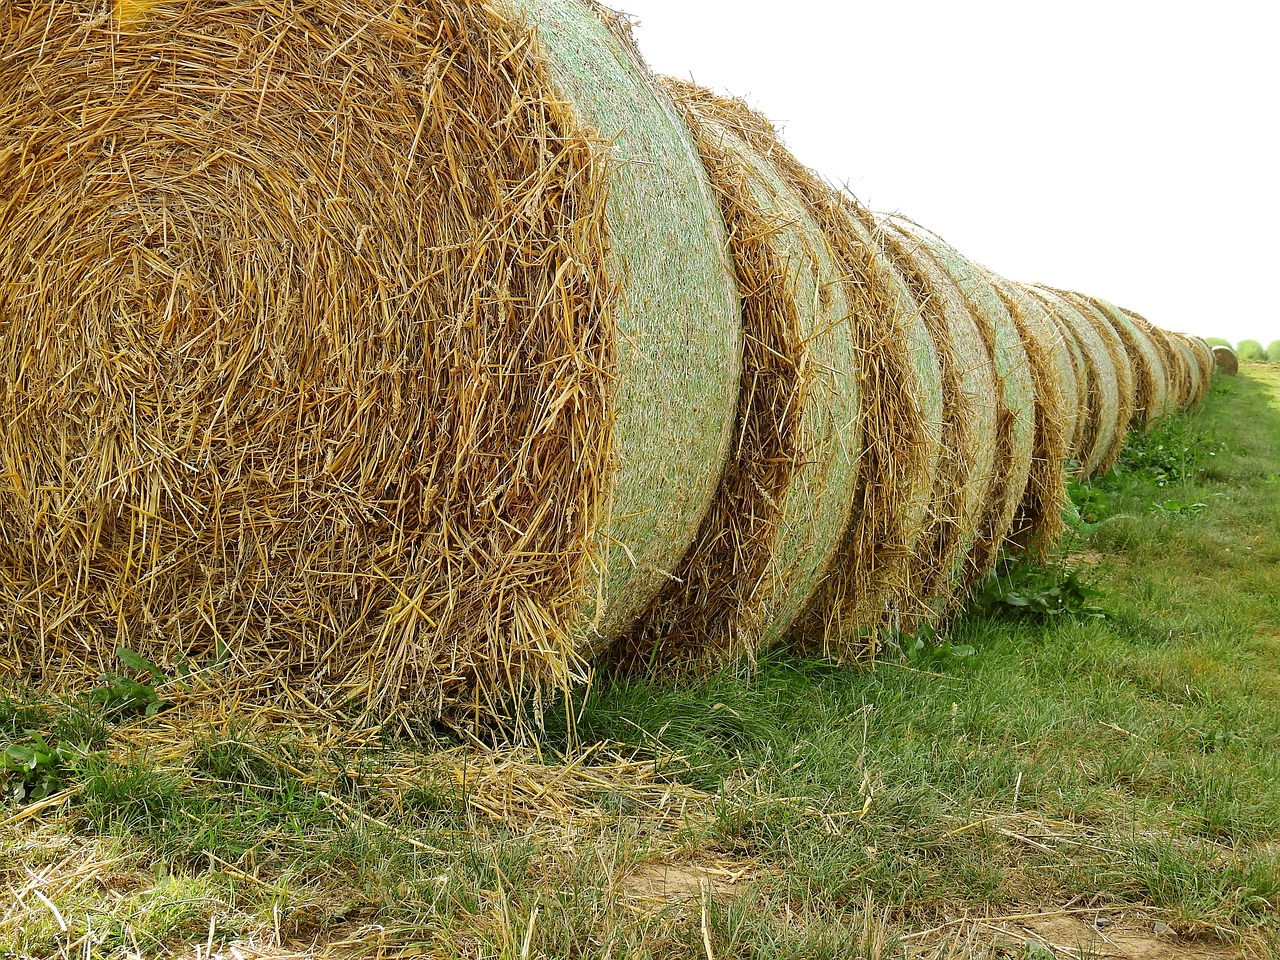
[1085, 764]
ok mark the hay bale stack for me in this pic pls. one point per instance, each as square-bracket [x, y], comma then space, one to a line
[1039, 525]
[1150, 380]
[1224, 358]
[1015, 396]
[1100, 410]
[966, 471]
[348, 338]
[784, 503]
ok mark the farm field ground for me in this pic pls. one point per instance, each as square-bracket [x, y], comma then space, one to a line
[1084, 764]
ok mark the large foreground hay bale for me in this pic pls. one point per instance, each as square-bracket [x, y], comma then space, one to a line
[1015, 398]
[1224, 359]
[348, 338]
[966, 471]
[1039, 524]
[785, 500]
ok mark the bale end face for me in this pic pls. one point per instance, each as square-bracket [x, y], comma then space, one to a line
[1224, 358]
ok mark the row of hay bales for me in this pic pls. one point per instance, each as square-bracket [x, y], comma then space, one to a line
[432, 356]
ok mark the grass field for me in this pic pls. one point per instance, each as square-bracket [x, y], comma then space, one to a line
[1084, 764]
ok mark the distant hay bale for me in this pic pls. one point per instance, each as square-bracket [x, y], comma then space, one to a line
[1015, 397]
[966, 472]
[1038, 525]
[784, 503]
[1225, 360]
[1150, 382]
[349, 338]
[1100, 410]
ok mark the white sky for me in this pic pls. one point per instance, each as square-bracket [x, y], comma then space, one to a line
[1127, 149]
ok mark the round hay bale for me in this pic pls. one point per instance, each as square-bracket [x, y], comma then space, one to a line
[1123, 365]
[1177, 373]
[1039, 525]
[1202, 366]
[785, 499]
[1190, 370]
[967, 470]
[346, 338]
[1074, 377]
[1204, 357]
[900, 422]
[1015, 395]
[1100, 412]
[1148, 368]
[872, 579]
[1224, 358]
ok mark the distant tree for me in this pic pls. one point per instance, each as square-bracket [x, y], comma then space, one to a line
[1250, 350]
[1218, 342]
[1273, 351]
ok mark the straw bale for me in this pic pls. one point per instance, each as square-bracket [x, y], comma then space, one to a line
[1224, 359]
[785, 499]
[1074, 375]
[1122, 363]
[966, 471]
[1100, 411]
[679, 319]
[1177, 372]
[1203, 354]
[900, 420]
[1148, 368]
[875, 579]
[1039, 524]
[1015, 397]
[340, 336]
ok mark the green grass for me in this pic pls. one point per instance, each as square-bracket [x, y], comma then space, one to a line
[1098, 734]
